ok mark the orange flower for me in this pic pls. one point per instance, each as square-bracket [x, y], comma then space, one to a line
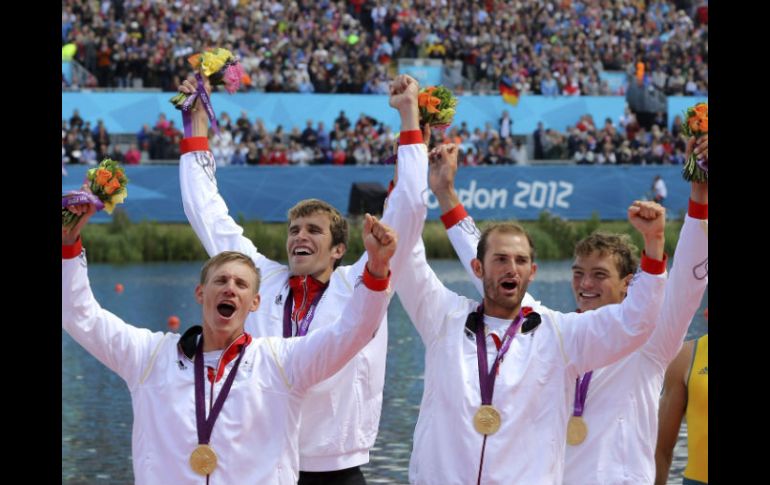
[194, 60]
[702, 110]
[103, 176]
[112, 186]
[704, 125]
[425, 100]
[118, 174]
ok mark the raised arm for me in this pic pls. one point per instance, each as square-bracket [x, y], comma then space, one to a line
[325, 351]
[405, 211]
[460, 227]
[688, 277]
[204, 207]
[125, 349]
[420, 291]
[600, 337]
[673, 404]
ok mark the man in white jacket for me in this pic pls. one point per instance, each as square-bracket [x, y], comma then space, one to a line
[612, 423]
[340, 416]
[498, 377]
[238, 422]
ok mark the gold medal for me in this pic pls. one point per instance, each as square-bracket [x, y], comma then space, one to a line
[486, 420]
[576, 430]
[203, 460]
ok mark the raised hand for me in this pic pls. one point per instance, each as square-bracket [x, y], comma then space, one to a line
[441, 177]
[443, 168]
[649, 218]
[699, 192]
[380, 243]
[700, 147]
[403, 97]
[198, 115]
[68, 237]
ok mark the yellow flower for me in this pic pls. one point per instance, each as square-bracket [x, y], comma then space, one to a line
[214, 60]
[116, 199]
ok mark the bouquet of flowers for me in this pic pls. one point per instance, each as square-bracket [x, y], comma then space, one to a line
[106, 188]
[219, 66]
[437, 106]
[696, 123]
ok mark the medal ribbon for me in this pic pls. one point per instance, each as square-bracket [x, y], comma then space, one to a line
[581, 392]
[187, 106]
[303, 325]
[487, 379]
[81, 197]
[206, 426]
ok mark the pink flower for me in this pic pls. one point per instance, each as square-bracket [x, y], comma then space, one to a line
[232, 77]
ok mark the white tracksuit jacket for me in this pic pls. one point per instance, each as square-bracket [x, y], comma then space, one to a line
[621, 409]
[343, 412]
[256, 433]
[533, 388]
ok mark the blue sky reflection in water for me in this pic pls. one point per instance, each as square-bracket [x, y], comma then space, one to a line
[96, 405]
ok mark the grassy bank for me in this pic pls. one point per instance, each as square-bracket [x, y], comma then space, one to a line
[121, 241]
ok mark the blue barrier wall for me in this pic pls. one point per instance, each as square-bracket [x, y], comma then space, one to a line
[677, 105]
[425, 75]
[617, 81]
[267, 193]
[66, 72]
[127, 112]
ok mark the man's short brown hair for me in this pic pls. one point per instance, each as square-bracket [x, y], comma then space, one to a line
[619, 246]
[505, 228]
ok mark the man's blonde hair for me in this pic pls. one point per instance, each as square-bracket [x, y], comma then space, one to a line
[228, 257]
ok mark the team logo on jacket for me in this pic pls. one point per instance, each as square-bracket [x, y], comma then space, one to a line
[701, 271]
[207, 164]
[469, 227]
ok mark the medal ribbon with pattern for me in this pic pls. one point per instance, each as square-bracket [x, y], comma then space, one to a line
[203, 460]
[490, 424]
[576, 426]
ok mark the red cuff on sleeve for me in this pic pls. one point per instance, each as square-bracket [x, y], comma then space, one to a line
[698, 211]
[410, 137]
[72, 251]
[375, 284]
[391, 186]
[194, 144]
[453, 216]
[653, 266]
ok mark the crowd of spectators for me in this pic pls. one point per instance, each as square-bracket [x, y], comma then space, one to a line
[549, 47]
[83, 143]
[367, 141]
[626, 141]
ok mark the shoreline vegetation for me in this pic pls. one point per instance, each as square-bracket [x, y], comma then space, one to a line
[121, 241]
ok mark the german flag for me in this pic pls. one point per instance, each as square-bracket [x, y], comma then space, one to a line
[508, 91]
